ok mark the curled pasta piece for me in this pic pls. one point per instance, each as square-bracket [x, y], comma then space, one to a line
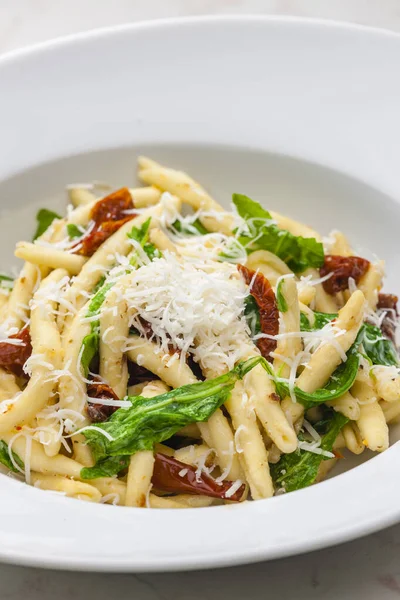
[112, 490]
[69, 487]
[114, 329]
[270, 265]
[44, 256]
[307, 295]
[28, 281]
[162, 241]
[145, 196]
[39, 461]
[139, 478]
[289, 347]
[81, 451]
[79, 196]
[191, 431]
[217, 433]
[371, 283]
[387, 383]
[72, 388]
[347, 405]
[191, 192]
[46, 356]
[137, 388]
[352, 438]
[269, 410]
[147, 354]
[339, 245]
[18, 304]
[8, 385]
[138, 483]
[323, 301]
[250, 445]
[191, 455]
[371, 422]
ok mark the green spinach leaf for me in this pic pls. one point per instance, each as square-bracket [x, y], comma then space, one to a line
[96, 303]
[108, 467]
[6, 282]
[252, 315]
[299, 469]
[90, 344]
[74, 231]
[321, 319]
[380, 350]
[44, 219]
[194, 228]
[297, 252]
[141, 235]
[280, 298]
[6, 460]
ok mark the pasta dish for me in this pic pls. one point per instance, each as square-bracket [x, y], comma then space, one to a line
[158, 351]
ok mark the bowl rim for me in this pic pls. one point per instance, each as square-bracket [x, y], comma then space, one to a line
[98, 32]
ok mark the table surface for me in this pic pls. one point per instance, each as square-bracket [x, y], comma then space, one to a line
[367, 569]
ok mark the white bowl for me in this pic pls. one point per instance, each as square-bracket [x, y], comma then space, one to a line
[301, 115]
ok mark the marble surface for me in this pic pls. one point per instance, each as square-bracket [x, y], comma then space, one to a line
[367, 569]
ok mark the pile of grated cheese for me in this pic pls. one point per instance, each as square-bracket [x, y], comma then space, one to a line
[195, 306]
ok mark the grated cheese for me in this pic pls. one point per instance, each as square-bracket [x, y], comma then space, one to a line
[198, 307]
[234, 488]
[113, 497]
[239, 448]
[314, 449]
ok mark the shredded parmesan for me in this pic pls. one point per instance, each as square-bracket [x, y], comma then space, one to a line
[196, 307]
[239, 448]
[234, 488]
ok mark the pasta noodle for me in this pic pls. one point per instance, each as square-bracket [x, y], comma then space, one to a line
[69, 487]
[138, 483]
[55, 259]
[157, 351]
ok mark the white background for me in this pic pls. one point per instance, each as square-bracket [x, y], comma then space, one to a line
[368, 569]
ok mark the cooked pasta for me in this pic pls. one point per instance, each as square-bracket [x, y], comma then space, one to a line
[158, 351]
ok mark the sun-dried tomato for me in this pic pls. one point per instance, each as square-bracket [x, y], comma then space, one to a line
[108, 215]
[147, 329]
[342, 267]
[388, 301]
[171, 475]
[100, 412]
[138, 374]
[112, 207]
[14, 356]
[388, 304]
[264, 296]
